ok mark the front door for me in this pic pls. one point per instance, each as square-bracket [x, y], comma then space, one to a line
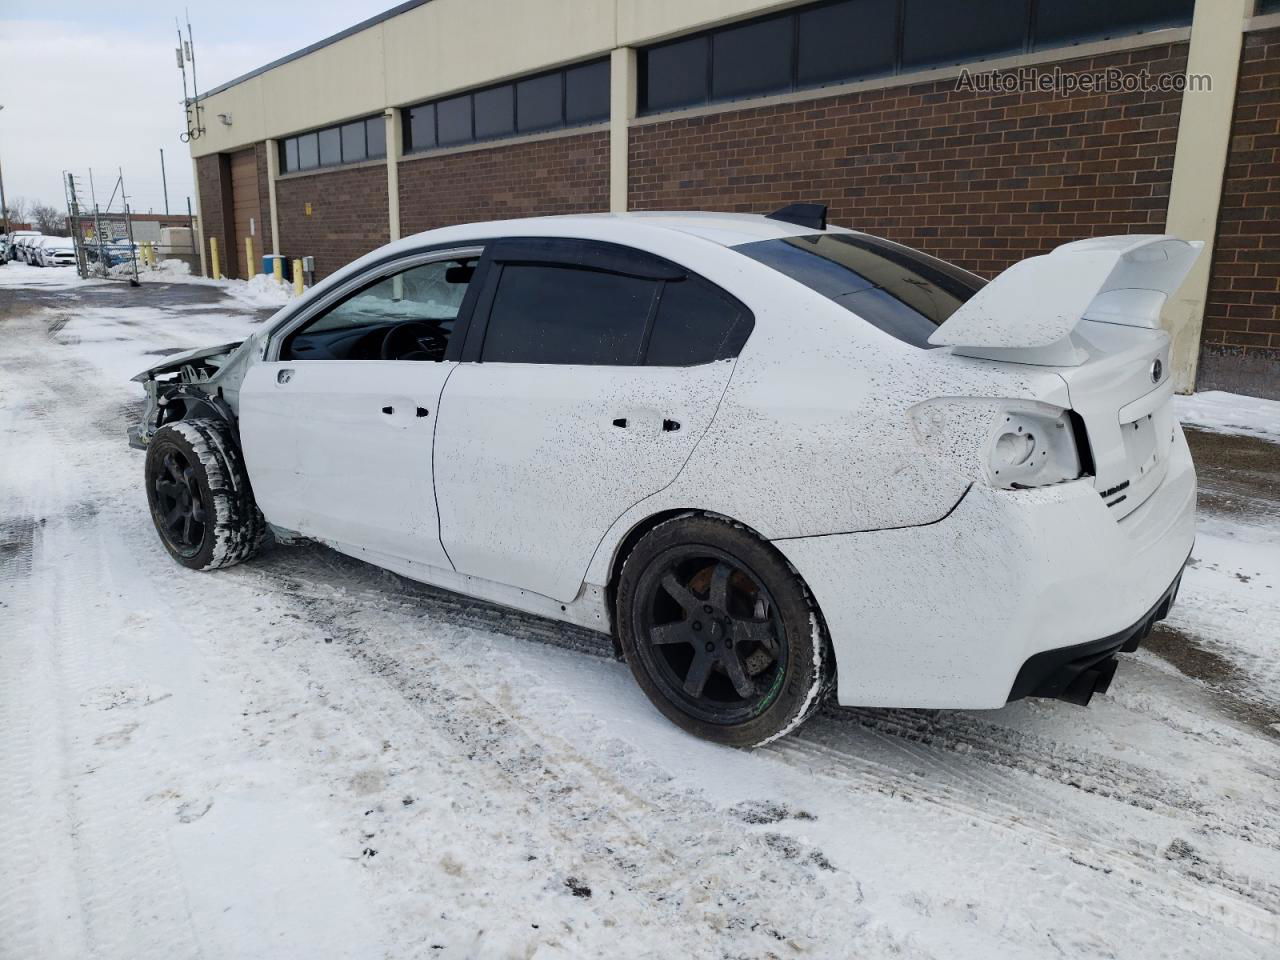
[587, 392]
[337, 429]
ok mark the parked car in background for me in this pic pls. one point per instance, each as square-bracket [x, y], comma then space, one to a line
[56, 252]
[31, 251]
[770, 456]
[20, 240]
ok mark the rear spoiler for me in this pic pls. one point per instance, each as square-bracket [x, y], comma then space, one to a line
[1037, 303]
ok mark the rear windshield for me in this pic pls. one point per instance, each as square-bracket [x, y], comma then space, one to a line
[905, 293]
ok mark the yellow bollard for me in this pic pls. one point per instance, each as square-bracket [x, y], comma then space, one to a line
[277, 268]
[213, 254]
[297, 278]
[249, 269]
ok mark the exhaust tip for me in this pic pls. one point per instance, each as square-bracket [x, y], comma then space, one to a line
[1095, 679]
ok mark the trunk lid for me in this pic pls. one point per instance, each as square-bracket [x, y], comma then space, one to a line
[1124, 395]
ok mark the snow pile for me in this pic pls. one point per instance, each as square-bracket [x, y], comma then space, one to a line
[1230, 413]
[263, 290]
[174, 269]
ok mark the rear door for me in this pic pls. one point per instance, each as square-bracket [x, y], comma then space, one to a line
[595, 371]
[337, 422]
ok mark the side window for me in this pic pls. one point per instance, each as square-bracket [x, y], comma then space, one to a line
[549, 313]
[696, 323]
[405, 316]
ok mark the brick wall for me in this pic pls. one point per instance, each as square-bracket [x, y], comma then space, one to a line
[980, 179]
[567, 174]
[348, 215]
[1240, 347]
[213, 180]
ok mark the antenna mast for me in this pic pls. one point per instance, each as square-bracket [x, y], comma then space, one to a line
[190, 102]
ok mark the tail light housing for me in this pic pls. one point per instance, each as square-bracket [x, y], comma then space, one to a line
[1010, 444]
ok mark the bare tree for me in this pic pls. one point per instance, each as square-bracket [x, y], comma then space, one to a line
[47, 219]
[17, 209]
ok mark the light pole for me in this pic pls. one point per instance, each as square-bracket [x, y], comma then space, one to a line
[4, 207]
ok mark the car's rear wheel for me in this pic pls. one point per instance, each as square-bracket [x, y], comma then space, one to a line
[201, 501]
[720, 632]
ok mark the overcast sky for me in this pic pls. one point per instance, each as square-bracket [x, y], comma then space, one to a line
[90, 84]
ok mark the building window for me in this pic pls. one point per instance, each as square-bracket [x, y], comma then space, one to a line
[1063, 23]
[345, 143]
[844, 40]
[546, 101]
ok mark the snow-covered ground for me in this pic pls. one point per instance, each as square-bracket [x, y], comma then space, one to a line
[306, 757]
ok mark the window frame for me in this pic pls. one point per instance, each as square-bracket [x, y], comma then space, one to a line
[410, 149]
[371, 276]
[283, 145]
[601, 256]
[1030, 43]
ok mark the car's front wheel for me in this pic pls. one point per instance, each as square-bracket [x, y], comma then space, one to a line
[201, 501]
[720, 633]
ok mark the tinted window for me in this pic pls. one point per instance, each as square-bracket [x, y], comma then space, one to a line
[553, 314]
[1059, 22]
[376, 136]
[291, 154]
[495, 112]
[943, 31]
[696, 323]
[752, 58]
[453, 120]
[308, 152]
[538, 102]
[353, 147]
[587, 93]
[903, 292]
[428, 296]
[846, 41]
[420, 130]
[330, 146]
[675, 75]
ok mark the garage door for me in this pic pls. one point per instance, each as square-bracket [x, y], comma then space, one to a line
[244, 196]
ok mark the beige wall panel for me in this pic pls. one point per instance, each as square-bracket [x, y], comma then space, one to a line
[451, 45]
[244, 104]
[337, 82]
[641, 21]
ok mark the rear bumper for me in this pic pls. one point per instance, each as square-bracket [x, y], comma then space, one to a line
[1076, 673]
[949, 614]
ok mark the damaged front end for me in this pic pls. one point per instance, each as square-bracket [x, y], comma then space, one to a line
[196, 383]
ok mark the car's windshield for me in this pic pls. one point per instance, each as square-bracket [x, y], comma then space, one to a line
[905, 293]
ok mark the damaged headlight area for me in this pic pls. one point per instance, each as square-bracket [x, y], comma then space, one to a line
[1011, 444]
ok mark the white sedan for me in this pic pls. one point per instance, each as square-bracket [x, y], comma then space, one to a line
[55, 252]
[770, 456]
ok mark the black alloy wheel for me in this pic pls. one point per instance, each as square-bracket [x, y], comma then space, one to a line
[181, 514]
[720, 632]
[711, 632]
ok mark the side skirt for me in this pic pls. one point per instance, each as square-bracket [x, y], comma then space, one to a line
[589, 609]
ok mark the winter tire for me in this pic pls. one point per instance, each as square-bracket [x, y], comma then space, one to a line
[199, 494]
[720, 632]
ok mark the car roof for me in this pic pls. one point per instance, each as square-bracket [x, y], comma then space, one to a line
[724, 229]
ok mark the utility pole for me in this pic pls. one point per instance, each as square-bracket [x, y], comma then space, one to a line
[4, 207]
[164, 181]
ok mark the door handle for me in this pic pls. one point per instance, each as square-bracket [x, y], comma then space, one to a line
[388, 410]
[670, 426]
[621, 422]
[284, 376]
